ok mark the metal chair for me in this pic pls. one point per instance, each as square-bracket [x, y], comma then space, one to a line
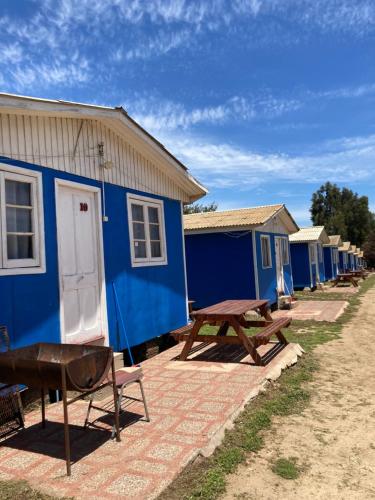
[123, 379]
[11, 408]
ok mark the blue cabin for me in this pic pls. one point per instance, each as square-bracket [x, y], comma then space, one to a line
[91, 226]
[356, 260]
[344, 257]
[306, 250]
[331, 257]
[351, 258]
[361, 260]
[239, 254]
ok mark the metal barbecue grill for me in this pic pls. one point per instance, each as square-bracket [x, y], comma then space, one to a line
[65, 367]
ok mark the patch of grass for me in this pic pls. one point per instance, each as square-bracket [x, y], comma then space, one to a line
[21, 490]
[321, 295]
[286, 468]
[206, 477]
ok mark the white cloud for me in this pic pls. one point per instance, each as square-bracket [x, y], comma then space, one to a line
[160, 45]
[157, 115]
[58, 73]
[229, 166]
[346, 92]
[59, 28]
[11, 53]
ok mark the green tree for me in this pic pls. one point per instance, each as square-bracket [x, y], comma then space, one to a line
[342, 212]
[196, 208]
[369, 249]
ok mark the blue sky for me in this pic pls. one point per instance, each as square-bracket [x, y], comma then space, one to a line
[264, 100]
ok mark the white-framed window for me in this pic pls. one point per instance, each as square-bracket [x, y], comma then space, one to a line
[21, 221]
[312, 253]
[265, 245]
[285, 251]
[147, 231]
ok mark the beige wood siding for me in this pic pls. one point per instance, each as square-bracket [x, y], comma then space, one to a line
[71, 145]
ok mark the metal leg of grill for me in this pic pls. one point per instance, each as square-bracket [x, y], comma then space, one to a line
[116, 403]
[66, 423]
[144, 401]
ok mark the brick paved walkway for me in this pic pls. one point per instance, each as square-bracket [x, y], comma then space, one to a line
[318, 310]
[191, 403]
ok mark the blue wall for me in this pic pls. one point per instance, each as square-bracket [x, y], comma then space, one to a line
[301, 265]
[219, 267]
[268, 277]
[152, 299]
[342, 265]
[351, 261]
[328, 263]
[321, 267]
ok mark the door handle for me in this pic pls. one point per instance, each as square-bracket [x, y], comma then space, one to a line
[80, 278]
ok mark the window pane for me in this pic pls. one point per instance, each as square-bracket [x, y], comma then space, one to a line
[140, 249]
[137, 213]
[20, 247]
[153, 214]
[19, 220]
[265, 252]
[154, 232]
[139, 231]
[17, 193]
[155, 249]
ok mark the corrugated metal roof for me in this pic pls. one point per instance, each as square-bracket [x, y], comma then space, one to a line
[313, 233]
[242, 217]
[345, 247]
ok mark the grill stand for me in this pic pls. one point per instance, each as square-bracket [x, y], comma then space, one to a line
[67, 402]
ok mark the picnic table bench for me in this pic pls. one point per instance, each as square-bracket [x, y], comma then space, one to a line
[345, 278]
[231, 313]
[359, 273]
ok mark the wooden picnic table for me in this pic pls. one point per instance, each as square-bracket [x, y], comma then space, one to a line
[231, 313]
[345, 278]
[359, 273]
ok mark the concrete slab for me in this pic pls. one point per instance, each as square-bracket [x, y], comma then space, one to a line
[318, 310]
[191, 404]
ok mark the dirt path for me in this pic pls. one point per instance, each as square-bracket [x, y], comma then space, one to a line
[334, 439]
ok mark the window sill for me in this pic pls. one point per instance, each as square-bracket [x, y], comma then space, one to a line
[150, 263]
[16, 271]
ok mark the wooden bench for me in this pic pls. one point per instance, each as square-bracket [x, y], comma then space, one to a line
[269, 328]
[181, 334]
[274, 328]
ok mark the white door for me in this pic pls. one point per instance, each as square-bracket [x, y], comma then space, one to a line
[279, 265]
[79, 265]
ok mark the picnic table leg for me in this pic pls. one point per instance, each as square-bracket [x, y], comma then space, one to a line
[247, 342]
[281, 338]
[265, 312]
[191, 339]
[43, 405]
[223, 330]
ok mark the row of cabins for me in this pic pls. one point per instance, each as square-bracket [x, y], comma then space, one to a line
[92, 243]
